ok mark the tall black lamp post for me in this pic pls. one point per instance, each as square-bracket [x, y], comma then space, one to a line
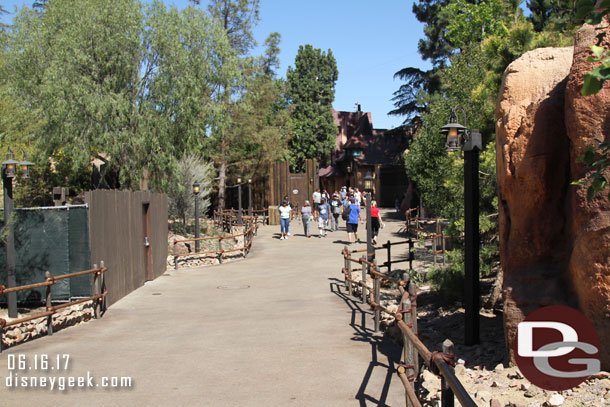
[249, 196]
[196, 193]
[368, 187]
[9, 171]
[239, 179]
[471, 143]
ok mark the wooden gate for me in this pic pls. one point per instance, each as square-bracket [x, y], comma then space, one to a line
[298, 187]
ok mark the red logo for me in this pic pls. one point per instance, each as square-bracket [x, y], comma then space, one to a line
[557, 348]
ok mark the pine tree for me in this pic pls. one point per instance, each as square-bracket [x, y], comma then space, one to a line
[311, 91]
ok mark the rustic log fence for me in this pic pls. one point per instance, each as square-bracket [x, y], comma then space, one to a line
[227, 219]
[440, 363]
[98, 298]
[250, 230]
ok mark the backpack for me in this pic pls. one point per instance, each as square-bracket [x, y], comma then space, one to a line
[346, 212]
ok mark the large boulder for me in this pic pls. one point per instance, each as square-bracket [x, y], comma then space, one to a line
[588, 119]
[554, 245]
[532, 153]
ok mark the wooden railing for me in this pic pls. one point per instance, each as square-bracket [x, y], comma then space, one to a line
[98, 298]
[440, 363]
[250, 229]
[226, 219]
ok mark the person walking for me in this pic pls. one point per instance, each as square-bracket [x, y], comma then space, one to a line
[306, 217]
[353, 218]
[376, 221]
[292, 214]
[324, 214]
[317, 197]
[336, 209]
[358, 197]
[343, 193]
[285, 211]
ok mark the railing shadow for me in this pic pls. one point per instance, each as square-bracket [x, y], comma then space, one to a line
[379, 347]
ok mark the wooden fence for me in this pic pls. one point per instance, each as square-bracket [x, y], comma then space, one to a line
[129, 229]
[227, 219]
[440, 363]
[250, 229]
[98, 289]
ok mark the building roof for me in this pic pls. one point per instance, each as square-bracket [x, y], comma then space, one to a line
[379, 146]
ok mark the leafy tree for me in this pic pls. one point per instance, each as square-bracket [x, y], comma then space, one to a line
[132, 90]
[238, 17]
[311, 91]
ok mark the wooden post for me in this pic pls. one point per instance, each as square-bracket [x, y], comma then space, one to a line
[434, 248]
[377, 297]
[220, 250]
[364, 290]
[103, 288]
[443, 239]
[348, 267]
[389, 247]
[446, 392]
[95, 290]
[47, 275]
[411, 254]
[413, 296]
[407, 345]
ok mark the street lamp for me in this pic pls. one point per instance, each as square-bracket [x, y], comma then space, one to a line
[471, 144]
[368, 187]
[239, 179]
[249, 196]
[8, 173]
[196, 193]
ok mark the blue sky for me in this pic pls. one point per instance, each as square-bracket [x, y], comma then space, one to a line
[370, 40]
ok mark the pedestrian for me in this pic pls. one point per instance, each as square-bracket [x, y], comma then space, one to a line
[324, 210]
[376, 221]
[307, 218]
[336, 209]
[285, 211]
[358, 197]
[343, 193]
[317, 196]
[353, 217]
[292, 213]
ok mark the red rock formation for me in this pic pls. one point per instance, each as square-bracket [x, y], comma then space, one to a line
[555, 246]
[532, 167]
[587, 119]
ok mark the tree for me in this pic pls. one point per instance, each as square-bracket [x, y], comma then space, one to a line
[132, 92]
[191, 169]
[311, 91]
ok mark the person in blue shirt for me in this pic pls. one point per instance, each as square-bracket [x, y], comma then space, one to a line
[352, 221]
[323, 216]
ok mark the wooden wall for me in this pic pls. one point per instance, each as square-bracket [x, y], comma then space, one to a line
[117, 224]
[282, 182]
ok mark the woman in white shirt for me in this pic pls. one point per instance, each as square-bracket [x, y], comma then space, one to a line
[285, 210]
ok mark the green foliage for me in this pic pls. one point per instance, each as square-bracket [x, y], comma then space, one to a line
[593, 82]
[470, 23]
[311, 91]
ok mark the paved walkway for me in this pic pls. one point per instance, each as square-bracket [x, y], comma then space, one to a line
[275, 329]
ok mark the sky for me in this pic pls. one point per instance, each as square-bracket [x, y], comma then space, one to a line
[371, 40]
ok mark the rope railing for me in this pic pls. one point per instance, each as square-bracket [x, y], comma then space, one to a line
[248, 234]
[98, 298]
[439, 363]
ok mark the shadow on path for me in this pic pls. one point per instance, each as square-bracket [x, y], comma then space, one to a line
[379, 348]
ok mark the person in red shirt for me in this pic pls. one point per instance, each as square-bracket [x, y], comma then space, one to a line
[376, 221]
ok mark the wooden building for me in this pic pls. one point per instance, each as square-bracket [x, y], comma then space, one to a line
[360, 149]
